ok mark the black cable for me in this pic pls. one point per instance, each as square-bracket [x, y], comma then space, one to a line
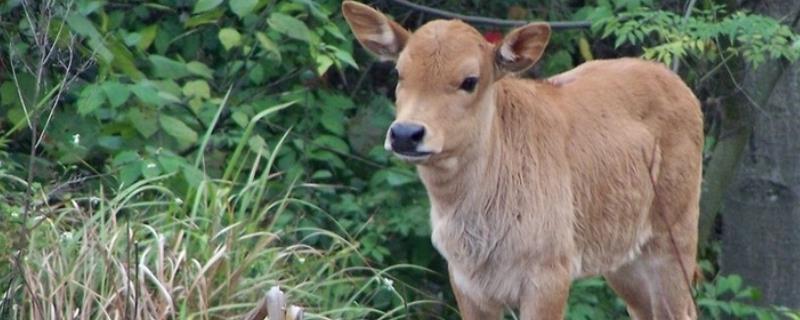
[555, 25]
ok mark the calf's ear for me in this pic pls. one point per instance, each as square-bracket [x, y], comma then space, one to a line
[374, 30]
[522, 47]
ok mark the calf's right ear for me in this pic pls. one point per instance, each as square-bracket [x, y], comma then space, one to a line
[376, 32]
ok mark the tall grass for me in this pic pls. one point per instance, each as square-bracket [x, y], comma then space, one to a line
[211, 252]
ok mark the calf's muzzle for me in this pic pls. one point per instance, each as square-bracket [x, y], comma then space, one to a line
[406, 137]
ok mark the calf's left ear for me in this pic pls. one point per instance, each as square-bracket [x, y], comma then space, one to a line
[522, 47]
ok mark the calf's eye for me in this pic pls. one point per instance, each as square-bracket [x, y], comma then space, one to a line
[469, 84]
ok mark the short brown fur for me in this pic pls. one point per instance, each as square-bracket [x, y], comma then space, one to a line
[533, 184]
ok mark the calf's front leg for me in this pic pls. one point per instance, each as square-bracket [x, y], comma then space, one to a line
[545, 296]
[474, 310]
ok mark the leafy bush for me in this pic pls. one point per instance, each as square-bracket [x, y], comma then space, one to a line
[172, 94]
[709, 34]
[143, 252]
[143, 168]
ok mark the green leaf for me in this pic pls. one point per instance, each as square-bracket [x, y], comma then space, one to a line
[257, 144]
[256, 74]
[197, 88]
[242, 7]
[321, 174]
[169, 96]
[144, 121]
[735, 282]
[8, 94]
[333, 30]
[290, 26]
[192, 175]
[131, 39]
[198, 91]
[324, 63]
[90, 99]
[110, 142]
[150, 169]
[210, 17]
[117, 93]
[229, 38]
[269, 45]
[82, 26]
[122, 59]
[344, 56]
[168, 86]
[205, 5]
[88, 7]
[176, 128]
[147, 35]
[333, 120]
[102, 53]
[316, 10]
[164, 67]
[339, 101]
[240, 118]
[171, 163]
[398, 179]
[200, 69]
[333, 143]
[147, 93]
[620, 40]
[125, 157]
[329, 157]
[128, 173]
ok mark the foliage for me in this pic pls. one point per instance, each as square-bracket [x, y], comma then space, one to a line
[143, 252]
[161, 71]
[116, 94]
[591, 299]
[726, 296]
[143, 159]
[722, 297]
[706, 34]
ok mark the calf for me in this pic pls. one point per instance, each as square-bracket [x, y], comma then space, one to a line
[535, 183]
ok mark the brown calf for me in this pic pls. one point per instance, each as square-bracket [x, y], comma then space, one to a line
[533, 184]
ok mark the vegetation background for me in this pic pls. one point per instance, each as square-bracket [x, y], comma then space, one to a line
[176, 158]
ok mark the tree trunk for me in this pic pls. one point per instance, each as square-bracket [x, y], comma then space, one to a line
[761, 212]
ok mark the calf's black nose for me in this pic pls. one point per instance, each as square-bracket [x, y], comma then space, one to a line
[405, 137]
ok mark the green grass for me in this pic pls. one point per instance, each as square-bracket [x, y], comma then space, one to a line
[142, 252]
[146, 252]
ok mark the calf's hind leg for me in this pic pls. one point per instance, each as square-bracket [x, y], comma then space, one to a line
[657, 283]
[630, 283]
[655, 286]
[670, 279]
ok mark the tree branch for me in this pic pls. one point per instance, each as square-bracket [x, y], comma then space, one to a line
[555, 25]
[677, 63]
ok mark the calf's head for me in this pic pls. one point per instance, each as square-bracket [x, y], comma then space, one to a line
[446, 74]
